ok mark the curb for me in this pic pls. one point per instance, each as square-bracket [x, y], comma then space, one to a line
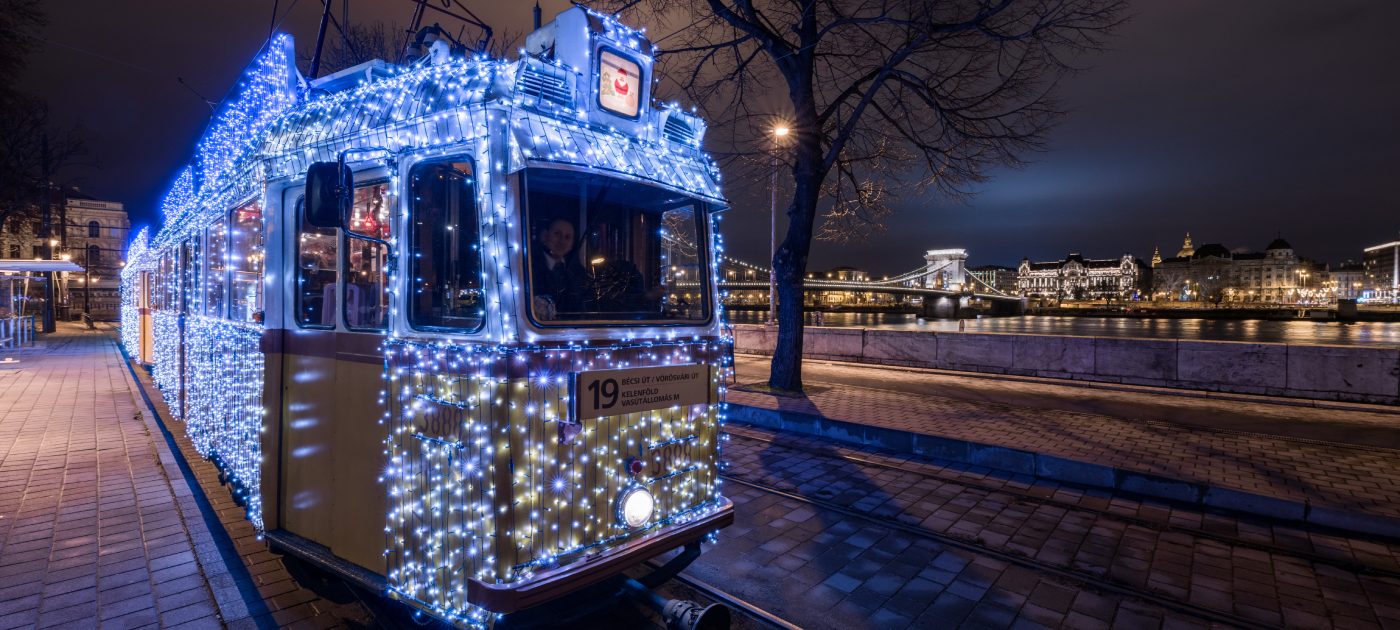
[1069, 471]
[226, 577]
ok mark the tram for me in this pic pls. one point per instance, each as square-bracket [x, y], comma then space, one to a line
[451, 330]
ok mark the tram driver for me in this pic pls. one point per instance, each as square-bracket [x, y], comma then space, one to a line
[557, 278]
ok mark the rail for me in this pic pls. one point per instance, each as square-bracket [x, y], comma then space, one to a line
[16, 332]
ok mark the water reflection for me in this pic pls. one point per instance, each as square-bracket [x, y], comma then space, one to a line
[1299, 332]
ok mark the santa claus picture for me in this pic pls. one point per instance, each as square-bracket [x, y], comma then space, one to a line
[619, 84]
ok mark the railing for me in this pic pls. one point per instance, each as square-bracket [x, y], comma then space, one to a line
[16, 332]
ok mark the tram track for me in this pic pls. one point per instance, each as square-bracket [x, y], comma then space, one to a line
[1031, 497]
[1083, 578]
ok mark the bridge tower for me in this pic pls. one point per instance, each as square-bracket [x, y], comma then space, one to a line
[946, 268]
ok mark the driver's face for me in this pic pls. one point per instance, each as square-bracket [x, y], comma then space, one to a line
[558, 238]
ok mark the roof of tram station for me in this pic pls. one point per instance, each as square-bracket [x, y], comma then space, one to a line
[20, 265]
[280, 123]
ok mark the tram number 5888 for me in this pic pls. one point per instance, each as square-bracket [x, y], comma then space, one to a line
[604, 393]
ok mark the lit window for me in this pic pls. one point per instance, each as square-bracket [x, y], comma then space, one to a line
[445, 279]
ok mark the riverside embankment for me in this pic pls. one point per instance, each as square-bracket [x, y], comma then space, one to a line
[1319, 372]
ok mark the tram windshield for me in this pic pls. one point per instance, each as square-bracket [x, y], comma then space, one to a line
[605, 249]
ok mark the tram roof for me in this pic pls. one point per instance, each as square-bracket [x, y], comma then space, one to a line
[279, 125]
[440, 106]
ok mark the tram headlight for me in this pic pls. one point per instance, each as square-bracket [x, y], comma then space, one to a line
[635, 507]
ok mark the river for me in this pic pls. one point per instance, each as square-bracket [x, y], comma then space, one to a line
[1297, 332]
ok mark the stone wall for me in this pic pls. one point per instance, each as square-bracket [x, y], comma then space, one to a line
[1351, 373]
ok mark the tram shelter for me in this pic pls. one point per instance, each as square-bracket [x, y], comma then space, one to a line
[28, 287]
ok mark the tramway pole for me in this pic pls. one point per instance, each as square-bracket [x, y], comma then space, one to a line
[320, 39]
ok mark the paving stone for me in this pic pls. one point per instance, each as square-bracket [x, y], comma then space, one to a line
[92, 528]
[1322, 473]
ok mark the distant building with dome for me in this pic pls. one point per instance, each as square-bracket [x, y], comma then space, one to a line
[1213, 273]
[1186, 250]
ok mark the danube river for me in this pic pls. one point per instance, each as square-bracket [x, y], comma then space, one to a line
[1299, 332]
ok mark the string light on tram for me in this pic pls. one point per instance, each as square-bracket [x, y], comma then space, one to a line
[444, 482]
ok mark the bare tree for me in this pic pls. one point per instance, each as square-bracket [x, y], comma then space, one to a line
[35, 157]
[377, 40]
[880, 96]
[360, 43]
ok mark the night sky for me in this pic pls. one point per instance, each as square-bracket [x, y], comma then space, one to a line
[1237, 121]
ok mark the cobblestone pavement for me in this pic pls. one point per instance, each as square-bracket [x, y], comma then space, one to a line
[94, 530]
[1349, 477]
[872, 541]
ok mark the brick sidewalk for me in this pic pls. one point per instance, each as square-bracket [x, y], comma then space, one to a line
[94, 530]
[1349, 478]
[280, 599]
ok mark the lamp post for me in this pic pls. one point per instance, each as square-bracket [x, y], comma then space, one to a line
[779, 132]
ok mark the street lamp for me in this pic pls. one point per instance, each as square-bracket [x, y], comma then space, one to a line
[779, 132]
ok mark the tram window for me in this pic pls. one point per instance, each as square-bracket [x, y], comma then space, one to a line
[446, 266]
[170, 281]
[246, 260]
[611, 250]
[157, 282]
[215, 268]
[366, 300]
[188, 299]
[316, 273]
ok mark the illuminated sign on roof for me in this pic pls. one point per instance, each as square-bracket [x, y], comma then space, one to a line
[619, 84]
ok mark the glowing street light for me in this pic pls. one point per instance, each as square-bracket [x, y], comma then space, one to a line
[779, 132]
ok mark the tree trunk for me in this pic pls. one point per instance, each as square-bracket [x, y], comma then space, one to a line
[790, 265]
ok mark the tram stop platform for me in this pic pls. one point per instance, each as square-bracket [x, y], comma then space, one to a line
[1329, 465]
[103, 523]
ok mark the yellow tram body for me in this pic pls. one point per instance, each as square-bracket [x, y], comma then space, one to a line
[397, 396]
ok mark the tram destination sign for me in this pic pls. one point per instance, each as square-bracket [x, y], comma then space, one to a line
[614, 392]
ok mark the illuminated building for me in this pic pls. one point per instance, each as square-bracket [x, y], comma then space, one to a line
[1214, 273]
[1080, 278]
[1382, 264]
[997, 277]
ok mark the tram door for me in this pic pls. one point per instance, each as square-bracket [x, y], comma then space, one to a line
[308, 377]
[145, 332]
[331, 443]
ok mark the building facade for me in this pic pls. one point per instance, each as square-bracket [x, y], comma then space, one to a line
[1213, 273]
[1080, 278]
[1348, 280]
[1382, 273]
[95, 234]
[89, 232]
[998, 278]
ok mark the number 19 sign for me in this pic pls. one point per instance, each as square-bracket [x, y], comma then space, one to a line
[616, 392]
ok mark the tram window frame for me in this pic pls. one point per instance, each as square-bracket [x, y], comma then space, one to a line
[239, 263]
[345, 243]
[298, 304]
[190, 287]
[155, 299]
[469, 217]
[219, 310]
[703, 226]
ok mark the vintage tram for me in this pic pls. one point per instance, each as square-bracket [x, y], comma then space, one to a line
[452, 329]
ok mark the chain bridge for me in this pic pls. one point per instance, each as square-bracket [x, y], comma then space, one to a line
[940, 288]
